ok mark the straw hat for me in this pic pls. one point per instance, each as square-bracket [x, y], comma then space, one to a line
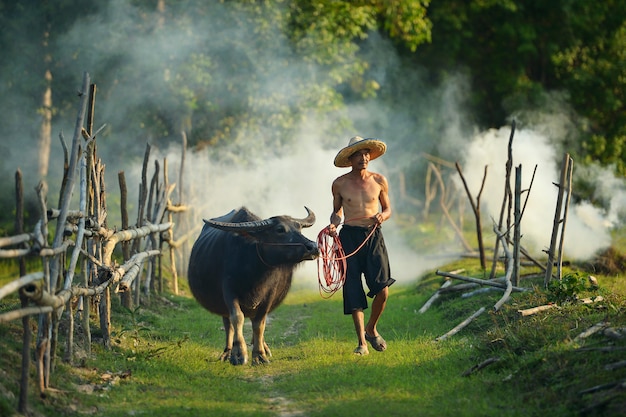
[375, 146]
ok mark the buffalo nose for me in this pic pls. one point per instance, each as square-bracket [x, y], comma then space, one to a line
[313, 249]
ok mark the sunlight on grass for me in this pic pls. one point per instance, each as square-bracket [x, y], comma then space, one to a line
[164, 359]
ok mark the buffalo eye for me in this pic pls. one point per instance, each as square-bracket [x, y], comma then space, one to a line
[281, 229]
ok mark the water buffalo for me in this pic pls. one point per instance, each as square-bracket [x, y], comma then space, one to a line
[241, 266]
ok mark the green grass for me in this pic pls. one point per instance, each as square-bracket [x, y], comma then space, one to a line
[164, 360]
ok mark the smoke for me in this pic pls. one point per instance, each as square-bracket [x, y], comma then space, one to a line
[284, 185]
[424, 118]
[587, 227]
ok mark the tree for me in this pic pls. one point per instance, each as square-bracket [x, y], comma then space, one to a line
[593, 68]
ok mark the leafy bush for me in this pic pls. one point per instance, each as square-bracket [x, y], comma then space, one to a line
[568, 289]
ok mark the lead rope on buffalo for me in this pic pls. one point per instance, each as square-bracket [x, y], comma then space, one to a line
[331, 263]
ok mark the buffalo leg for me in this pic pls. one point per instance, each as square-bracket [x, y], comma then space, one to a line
[260, 350]
[228, 329]
[239, 352]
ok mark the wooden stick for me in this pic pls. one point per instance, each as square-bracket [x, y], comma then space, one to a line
[479, 281]
[19, 283]
[506, 196]
[509, 270]
[535, 310]
[434, 297]
[15, 240]
[603, 387]
[616, 365]
[590, 331]
[481, 365]
[476, 209]
[461, 325]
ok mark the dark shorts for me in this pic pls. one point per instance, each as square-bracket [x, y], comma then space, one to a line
[371, 261]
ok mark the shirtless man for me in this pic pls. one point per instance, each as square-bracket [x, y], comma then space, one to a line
[362, 198]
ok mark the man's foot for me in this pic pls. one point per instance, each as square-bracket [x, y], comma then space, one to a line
[361, 351]
[377, 342]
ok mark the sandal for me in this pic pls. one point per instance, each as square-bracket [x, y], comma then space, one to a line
[377, 342]
[361, 351]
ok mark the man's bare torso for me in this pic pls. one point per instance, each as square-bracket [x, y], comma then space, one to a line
[359, 195]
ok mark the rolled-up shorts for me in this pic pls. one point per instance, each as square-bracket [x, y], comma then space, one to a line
[371, 261]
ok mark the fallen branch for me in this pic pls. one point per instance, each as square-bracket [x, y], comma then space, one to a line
[434, 297]
[480, 291]
[616, 365]
[591, 331]
[458, 287]
[461, 325]
[479, 281]
[614, 333]
[602, 387]
[535, 310]
[437, 293]
[601, 349]
[481, 365]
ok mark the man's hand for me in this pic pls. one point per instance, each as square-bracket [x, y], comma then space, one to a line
[378, 218]
[332, 230]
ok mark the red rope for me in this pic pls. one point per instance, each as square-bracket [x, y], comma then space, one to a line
[331, 263]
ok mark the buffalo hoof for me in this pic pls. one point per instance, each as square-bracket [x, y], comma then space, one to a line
[268, 352]
[225, 356]
[260, 359]
[238, 356]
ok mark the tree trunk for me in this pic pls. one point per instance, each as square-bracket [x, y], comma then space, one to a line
[45, 130]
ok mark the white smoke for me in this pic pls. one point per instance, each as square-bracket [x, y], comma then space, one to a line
[587, 228]
[284, 185]
[429, 119]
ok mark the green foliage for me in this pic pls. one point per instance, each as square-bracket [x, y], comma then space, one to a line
[569, 288]
[133, 326]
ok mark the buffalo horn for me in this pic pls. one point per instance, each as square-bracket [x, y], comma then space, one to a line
[241, 227]
[309, 220]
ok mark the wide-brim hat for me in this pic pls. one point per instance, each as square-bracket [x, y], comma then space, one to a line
[375, 146]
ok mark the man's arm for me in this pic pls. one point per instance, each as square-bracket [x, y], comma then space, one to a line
[335, 217]
[385, 203]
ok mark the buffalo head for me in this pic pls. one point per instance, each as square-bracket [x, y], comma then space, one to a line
[279, 239]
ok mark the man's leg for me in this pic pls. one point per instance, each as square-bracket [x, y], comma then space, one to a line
[359, 327]
[378, 306]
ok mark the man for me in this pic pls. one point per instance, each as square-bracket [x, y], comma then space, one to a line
[362, 198]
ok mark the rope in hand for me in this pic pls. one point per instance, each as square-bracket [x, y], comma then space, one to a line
[331, 263]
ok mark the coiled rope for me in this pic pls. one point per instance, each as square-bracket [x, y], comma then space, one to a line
[331, 263]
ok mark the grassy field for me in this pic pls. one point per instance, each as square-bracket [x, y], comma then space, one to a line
[164, 360]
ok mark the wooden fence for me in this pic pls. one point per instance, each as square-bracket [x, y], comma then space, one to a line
[79, 271]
